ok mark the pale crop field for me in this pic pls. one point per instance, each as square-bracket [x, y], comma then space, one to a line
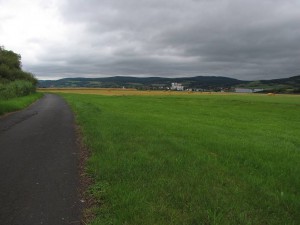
[123, 92]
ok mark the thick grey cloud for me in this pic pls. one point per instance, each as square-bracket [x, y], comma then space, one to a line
[256, 39]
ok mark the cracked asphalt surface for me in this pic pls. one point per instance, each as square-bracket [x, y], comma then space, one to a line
[39, 178]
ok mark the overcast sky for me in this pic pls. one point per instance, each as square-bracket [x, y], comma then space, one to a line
[244, 39]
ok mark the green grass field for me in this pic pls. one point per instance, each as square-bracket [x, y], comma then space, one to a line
[206, 159]
[15, 104]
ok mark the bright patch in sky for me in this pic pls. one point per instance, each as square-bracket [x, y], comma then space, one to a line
[26, 26]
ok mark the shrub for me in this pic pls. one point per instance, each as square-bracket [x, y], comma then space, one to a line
[16, 88]
[14, 82]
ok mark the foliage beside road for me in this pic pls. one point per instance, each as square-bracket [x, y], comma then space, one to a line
[205, 159]
[14, 82]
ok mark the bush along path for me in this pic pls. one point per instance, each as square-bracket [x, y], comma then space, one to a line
[14, 82]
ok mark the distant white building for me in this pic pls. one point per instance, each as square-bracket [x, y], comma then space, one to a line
[247, 90]
[257, 89]
[177, 86]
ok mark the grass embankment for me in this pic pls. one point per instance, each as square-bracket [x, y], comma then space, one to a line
[15, 104]
[192, 159]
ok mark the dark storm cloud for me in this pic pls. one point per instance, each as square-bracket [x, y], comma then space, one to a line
[236, 38]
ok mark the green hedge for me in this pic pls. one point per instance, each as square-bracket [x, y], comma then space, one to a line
[16, 88]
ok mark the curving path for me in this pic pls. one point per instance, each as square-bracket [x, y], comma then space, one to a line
[38, 165]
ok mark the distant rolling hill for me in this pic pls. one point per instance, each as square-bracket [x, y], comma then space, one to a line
[287, 85]
[203, 82]
[214, 83]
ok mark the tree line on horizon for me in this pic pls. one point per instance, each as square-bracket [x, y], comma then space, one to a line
[14, 82]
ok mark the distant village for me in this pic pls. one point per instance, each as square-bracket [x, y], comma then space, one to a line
[192, 84]
[180, 87]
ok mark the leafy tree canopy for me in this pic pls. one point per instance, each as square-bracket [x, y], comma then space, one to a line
[11, 68]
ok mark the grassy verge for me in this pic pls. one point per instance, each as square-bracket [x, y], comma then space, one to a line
[15, 104]
[192, 159]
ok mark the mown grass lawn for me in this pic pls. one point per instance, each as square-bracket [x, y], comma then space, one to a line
[206, 159]
[15, 104]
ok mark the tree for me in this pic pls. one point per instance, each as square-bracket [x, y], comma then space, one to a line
[9, 58]
[11, 68]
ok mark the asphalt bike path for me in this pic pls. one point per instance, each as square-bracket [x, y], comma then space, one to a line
[39, 178]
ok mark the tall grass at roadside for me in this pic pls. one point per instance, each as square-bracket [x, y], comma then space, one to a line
[15, 104]
[16, 88]
[192, 159]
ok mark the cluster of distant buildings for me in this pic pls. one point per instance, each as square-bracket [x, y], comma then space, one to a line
[177, 87]
[180, 87]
